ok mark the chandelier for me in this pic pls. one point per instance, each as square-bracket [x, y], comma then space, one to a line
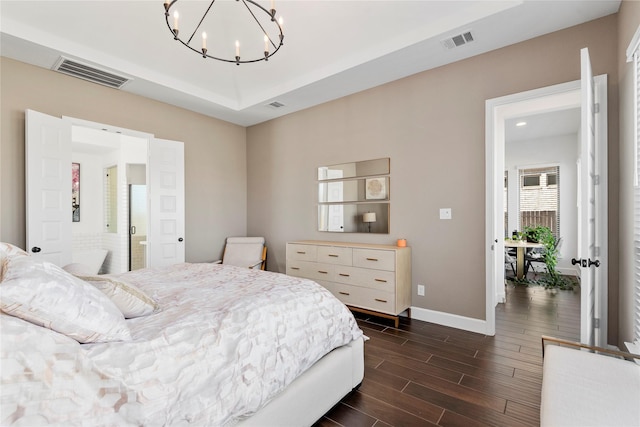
[264, 19]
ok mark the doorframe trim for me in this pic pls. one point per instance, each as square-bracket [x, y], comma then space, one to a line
[496, 111]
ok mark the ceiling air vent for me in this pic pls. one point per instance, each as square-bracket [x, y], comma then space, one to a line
[458, 40]
[89, 73]
[276, 104]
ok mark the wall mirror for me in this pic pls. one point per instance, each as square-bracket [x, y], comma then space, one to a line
[354, 169]
[354, 218]
[354, 197]
[354, 190]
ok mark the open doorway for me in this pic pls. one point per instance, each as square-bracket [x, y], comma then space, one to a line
[541, 185]
[589, 173]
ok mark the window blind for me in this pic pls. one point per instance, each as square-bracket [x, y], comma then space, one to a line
[539, 201]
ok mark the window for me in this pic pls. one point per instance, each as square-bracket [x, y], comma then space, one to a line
[540, 198]
[531, 181]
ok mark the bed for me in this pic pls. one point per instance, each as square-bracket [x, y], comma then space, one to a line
[196, 344]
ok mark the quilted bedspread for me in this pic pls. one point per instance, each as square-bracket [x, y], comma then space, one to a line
[223, 343]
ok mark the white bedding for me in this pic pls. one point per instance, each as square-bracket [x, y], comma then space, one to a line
[225, 341]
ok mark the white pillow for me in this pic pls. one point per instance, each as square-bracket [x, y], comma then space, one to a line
[78, 269]
[46, 295]
[8, 250]
[131, 301]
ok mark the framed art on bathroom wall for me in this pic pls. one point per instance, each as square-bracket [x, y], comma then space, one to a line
[75, 192]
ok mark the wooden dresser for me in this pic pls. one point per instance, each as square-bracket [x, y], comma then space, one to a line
[374, 279]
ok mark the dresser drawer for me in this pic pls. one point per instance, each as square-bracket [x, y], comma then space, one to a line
[311, 270]
[371, 299]
[301, 252]
[373, 279]
[302, 269]
[375, 259]
[335, 255]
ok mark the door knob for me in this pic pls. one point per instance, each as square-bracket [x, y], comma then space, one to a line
[180, 239]
[580, 262]
[596, 263]
[35, 249]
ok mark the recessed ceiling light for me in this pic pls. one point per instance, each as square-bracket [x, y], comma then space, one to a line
[519, 124]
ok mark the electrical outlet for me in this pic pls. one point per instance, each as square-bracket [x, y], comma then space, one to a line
[445, 213]
[421, 290]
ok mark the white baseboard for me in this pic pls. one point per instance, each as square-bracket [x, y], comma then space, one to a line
[569, 271]
[447, 319]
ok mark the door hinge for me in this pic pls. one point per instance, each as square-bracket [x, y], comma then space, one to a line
[596, 107]
[596, 323]
[597, 251]
[596, 180]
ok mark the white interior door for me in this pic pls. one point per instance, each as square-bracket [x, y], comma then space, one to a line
[165, 241]
[592, 208]
[48, 187]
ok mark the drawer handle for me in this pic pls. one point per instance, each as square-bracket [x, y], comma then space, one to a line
[381, 300]
[372, 259]
[333, 255]
[301, 252]
[295, 268]
[322, 272]
[344, 275]
[380, 280]
[343, 293]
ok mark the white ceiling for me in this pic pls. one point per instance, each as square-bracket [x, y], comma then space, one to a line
[543, 125]
[331, 48]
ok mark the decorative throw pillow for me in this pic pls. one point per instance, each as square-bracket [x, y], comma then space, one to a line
[8, 250]
[131, 301]
[46, 295]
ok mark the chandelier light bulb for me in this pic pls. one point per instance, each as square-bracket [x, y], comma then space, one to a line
[176, 15]
[204, 40]
[266, 43]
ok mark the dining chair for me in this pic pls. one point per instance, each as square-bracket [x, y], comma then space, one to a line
[510, 260]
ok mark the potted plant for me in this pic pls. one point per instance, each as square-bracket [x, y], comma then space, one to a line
[541, 234]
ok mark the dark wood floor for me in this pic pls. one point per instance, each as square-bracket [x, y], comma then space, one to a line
[422, 374]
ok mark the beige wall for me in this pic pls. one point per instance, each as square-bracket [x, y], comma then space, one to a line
[628, 22]
[431, 125]
[215, 151]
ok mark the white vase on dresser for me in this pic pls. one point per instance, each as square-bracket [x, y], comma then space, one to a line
[374, 279]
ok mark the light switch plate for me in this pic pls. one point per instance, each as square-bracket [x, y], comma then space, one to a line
[445, 213]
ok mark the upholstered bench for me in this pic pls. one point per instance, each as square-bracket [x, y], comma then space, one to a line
[581, 388]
